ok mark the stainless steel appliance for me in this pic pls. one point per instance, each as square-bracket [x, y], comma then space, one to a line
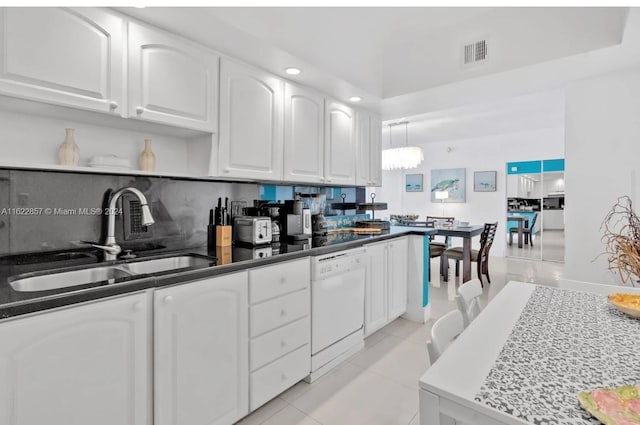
[252, 230]
[306, 221]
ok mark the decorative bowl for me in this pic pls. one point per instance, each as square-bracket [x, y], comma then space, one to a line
[626, 303]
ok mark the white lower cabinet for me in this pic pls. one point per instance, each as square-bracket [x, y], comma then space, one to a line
[86, 364]
[386, 283]
[280, 331]
[201, 352]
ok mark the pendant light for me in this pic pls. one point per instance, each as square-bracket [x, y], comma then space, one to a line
[402, 158]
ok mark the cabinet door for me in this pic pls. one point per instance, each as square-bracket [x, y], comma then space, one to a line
[340, 161]
[376, 297]
[70, 57]
[251, 123]
[303, 135]
[397, 277]
[363, 149]
[171, 80]
[201, 364]
[77, 366]
[375, 148]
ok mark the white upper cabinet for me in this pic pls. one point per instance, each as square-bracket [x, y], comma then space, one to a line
[251, 123]
[369, 155]
[340, 146]
[201, 358]
[86, 364]
[303, 135]
[70, 57]
[171, 80]
[375, 146]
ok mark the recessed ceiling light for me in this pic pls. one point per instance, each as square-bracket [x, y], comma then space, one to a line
[355, 99]
[293, 71]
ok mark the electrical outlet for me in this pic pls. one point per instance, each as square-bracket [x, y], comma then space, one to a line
[23, 199]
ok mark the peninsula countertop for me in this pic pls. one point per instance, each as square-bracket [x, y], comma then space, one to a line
[13, 303]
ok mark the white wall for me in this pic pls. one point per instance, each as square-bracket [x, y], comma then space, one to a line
[480, 154]
[32, 134]
[602, 163]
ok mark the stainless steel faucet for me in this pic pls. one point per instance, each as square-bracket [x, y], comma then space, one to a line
[111, 248]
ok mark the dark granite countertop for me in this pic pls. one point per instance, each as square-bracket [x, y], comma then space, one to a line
[14, 303]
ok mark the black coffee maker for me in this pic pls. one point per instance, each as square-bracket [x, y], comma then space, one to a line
[275, 210]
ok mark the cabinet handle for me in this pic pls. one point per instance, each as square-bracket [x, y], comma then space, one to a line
[139, 110]
[283, 312]
[284, 376]
[283, 344]
[113, 105]
[322, 179]
[168, 299]
[226, 170]
[137, 306]
[329, 180]
[283, 280]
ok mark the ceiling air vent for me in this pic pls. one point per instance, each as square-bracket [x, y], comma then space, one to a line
[474, 52]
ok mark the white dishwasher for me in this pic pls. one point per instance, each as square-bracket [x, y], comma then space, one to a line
[337, 309]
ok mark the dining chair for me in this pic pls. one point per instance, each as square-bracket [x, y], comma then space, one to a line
[480, 256]
[448, 220]
[444, 330]
[436, 248]
[468, 300]
[527, 231]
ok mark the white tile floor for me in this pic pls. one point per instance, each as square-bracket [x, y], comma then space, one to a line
[379, 385]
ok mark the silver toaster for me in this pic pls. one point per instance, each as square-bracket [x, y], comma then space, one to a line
[252, 230]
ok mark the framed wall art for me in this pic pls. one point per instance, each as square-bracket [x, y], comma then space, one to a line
[448, 185]
[484, 181]
[413, 183]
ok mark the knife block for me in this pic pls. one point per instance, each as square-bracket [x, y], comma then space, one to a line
[223, 235]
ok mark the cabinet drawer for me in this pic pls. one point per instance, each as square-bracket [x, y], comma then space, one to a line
[273, 281]
[275, 313]
[271, 380]
[274, 344]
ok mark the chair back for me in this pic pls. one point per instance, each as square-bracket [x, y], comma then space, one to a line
[468, 300]
[533, 222]
[486, 240]
[443, 332]
[432, 218]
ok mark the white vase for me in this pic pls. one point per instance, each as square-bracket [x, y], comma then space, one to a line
[68, 153]
[147, 160]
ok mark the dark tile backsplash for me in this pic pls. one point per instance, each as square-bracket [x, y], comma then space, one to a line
[51, 210]
[48, 210]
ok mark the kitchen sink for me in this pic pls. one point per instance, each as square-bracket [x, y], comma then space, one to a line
[57, 280]
[159, 265]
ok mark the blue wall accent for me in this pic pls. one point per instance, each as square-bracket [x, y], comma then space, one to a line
[551, 165]
[425, 270]
[268, 193]
[530, 167]
[524, 167]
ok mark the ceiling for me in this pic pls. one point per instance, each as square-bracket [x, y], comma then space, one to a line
[527, 113]
[383, 52]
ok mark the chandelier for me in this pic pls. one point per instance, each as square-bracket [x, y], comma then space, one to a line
[401, 158]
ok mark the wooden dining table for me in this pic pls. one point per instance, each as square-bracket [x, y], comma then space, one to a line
[528, 354]
[520, 219]
[467, 233]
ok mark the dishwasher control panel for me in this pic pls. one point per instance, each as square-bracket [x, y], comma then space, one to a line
[330, 264]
